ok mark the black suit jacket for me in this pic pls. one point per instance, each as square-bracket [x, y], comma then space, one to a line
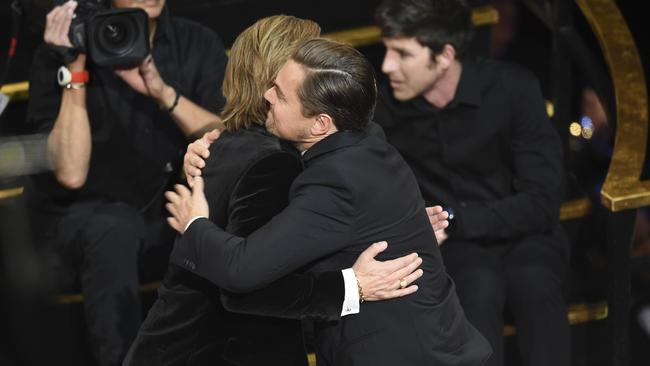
[354, 190]
[247, 179]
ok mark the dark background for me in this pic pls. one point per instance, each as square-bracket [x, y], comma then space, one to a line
[520, 37]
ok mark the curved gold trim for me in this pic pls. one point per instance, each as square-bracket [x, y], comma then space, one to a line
[622, 188]
[10, 193]
[356, 37]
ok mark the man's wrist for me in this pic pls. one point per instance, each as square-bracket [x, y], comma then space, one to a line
[66, 55]
[79, 64]
[351, 301]
[168, 97]
[191, 221]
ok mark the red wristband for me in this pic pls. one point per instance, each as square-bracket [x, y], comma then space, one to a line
[80, 77]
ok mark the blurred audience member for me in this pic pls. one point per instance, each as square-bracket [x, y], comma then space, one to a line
[115, 142]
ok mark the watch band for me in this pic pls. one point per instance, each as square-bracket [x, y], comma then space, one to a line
[80, 77]
[175, 103]
[65, 77]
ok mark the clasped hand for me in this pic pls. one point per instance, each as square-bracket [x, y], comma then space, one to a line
[145, 79]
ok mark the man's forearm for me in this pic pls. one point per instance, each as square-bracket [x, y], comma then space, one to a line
[69, 142]
[316, 296]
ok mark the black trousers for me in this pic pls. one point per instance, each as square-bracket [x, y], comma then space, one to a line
[106, 248]
[529, 277]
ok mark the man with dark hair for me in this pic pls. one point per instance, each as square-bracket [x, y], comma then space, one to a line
[355, 189]
[342, 88]
[476, 134]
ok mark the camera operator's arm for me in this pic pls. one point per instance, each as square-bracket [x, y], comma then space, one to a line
[190, 117]
[69, 141]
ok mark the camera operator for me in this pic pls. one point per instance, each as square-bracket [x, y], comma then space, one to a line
[116, 138]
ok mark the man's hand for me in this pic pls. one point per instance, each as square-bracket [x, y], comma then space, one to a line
[196, 154]
[383, 280]
[145, 79]
[439, 222]
[441, 236]
[57, 25]
[184, 205]
[437, 217]
[57, 30]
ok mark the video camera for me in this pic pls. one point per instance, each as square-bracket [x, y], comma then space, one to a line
[111, 37]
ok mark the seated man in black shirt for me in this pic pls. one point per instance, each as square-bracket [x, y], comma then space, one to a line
[115, 142]
[476, 134]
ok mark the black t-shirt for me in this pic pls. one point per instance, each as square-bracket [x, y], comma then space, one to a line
[137, 148]
[491, 154]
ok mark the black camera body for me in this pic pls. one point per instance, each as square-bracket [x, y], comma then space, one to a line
[110, 37]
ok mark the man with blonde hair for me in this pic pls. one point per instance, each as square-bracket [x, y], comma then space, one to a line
[355, 189]
[247, 180]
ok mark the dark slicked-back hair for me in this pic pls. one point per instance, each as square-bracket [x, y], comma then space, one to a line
[433, 23]
[339, 81]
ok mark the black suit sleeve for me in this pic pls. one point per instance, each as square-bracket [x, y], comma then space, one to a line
[317, 296]
[260, 194]
[318, 221]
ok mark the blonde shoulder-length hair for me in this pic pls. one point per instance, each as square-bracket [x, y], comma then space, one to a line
[255, 59]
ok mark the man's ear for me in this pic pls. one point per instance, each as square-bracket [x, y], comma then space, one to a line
[445, 58]
[323, 124]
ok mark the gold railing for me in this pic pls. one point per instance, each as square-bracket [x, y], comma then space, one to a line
[10, 193]
[16, 91]
[622, 188]
[579, 313]
[575, 209]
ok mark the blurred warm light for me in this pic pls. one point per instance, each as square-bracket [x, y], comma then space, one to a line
[575, 129]
[550, 109]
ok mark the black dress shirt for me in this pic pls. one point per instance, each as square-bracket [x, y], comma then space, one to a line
[491, 155]
[137, 148]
